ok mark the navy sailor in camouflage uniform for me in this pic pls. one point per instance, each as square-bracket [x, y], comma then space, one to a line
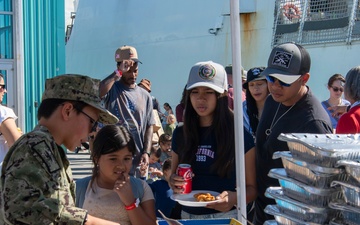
[36, 180]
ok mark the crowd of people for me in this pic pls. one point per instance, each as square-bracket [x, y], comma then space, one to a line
[133, 177]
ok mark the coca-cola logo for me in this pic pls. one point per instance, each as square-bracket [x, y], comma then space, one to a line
[188, 175]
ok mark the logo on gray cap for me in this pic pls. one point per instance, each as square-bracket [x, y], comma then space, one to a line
[282, 59]
[207, 72]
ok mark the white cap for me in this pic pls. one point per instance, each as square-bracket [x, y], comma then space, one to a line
[208, 74]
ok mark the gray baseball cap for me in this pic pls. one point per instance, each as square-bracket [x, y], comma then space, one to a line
[208, 74]
[287, 62]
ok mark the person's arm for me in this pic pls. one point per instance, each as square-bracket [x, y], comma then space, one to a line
[145, 213]
[9, 129]
[107, 83]
[229, 198]
[139, 214]
[91, 220]
[148, 139]
[250, 175]
[176, 182]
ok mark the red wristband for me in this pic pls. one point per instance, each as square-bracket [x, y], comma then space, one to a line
[130, 207]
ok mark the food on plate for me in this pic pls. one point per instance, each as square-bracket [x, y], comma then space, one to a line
[204, 197]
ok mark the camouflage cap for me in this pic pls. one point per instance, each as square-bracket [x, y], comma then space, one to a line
[78, 88]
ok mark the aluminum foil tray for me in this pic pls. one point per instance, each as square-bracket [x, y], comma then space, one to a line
[322, 149]
[351, 193]
[270, 222]
[318, 197]
[308, 173]
[336, 222]
[352, 167]
[340, 221]
[350, 214]
[298, 209]
[283, 219]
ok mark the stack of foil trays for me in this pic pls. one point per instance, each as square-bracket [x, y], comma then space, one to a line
[313, 179]
[349, 206]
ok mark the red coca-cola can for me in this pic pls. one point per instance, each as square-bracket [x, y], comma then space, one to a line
[185, 171]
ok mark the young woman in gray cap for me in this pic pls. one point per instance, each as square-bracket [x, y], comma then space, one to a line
[206, 141]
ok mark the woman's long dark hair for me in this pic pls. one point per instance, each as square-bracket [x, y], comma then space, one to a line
[252, 112]
[222, 125]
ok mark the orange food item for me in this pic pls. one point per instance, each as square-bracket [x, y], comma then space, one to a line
[204, 197]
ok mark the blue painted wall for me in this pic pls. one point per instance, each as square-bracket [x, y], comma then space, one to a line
[44, 50]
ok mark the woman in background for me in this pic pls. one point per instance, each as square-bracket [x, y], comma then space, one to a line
[335, 86]
[9, 132]
[256, 93]
[168, 111]
[349, 123]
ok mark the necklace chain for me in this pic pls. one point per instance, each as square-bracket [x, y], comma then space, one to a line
[268, 131]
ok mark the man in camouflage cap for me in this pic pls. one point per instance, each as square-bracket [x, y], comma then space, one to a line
[36, 180]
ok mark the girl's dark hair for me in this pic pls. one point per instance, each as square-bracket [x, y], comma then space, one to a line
[335, 77]
[167, 105]
[166, 164]
[48, 106]
[109, 139]
[165, 138]
[222, 125]
[155, 151]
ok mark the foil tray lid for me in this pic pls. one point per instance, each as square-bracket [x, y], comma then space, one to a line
[342, 206]
[277, 193]
[275, 211]
[336, 183]
[313, 167]
[280, 173]
[329, 143]
[349, 163]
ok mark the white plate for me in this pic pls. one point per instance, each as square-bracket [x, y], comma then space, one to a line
[189, 200]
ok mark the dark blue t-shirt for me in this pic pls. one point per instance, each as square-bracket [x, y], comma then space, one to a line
[162, 193]
[205, 178]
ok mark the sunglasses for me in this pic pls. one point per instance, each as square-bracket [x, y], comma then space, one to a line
[92, 121]
[272, 79]
[3, 86]
[336, 89]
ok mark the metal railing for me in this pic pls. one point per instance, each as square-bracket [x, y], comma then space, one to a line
[316, 21]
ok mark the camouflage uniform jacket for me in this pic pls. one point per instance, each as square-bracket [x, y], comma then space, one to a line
[36, 183]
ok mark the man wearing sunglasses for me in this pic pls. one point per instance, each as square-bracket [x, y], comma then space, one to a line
[36, 182]
[290, 108]
[131, 104]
